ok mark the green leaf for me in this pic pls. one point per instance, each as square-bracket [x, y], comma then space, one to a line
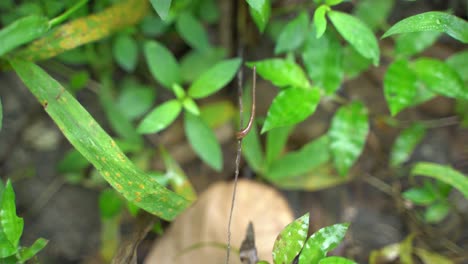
[458, 62]
[401, 87]
[260, 10]
[162, 64]
[281, 72]
[73, 161]
[432, 21]
[412, 43]
[311, 253]
[348, 133]
[22, 31]
[437, 212]
[203, 141]
[125, 51]
[79, 80]
[208, 11]
[333, 2]
[293, 34]
[357, 34]
[177, 178]
[320, 21]
[299, 162]
[196, 62]
[405, 144]
[328, 238]
[217, 113]
[190, 106]
[193, 32]
[444, 174]
[323, 60]
[420, 196]
[214, 78]
[153, 26]
[29, 252]
[353, 62]
[160, 118]
[374, 13]
[162, 7]
[440, 78]
[291, 240]
[276, 141]
[11, 226]
[135, 99]
[290, 107]
[110, 203]
[97, 146]
[336, 260]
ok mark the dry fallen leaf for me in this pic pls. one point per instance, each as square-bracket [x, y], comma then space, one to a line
[206, 221]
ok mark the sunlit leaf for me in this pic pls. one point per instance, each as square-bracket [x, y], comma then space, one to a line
[160, 118]
[311, 253]
[405, 144]
[276, 142]
[333, 2]
[320, 21]
[412, 43]
[11, 226]
[432, 21]
[192, 31]
[125, 51]
[162, 7]
[437, 212]
[260, 10]
[22, 31]
[27, 253]
[348, 133]
[190, 106]
[293, 34]
[420, 196]
[110, 203]
[290, 107]
[373, 13]
[97, 146]
[291, 240]
[203, 141]
[336, 260]
[281, 72]
[194, 63]
[162, 64]
[357, 34]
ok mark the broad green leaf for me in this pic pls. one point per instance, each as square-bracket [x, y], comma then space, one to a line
[437, 212]
[10, 224]
[440, 78]
[323, 60]
[281, 72]
[405, 144]
[320, 21]
[290, 241]
[73, 161]
[353, 62]
[336, 260]
[300, 162]
[1, 115]
[160, 118]
[192, 31]
[162, 7]
[203, 141]
[162, 64]
[196, 62]
[260, 10]
[432, 21]
[429, 257]
[420, 196]
[401, 87]
[177, 178]
[290, 107]
[110, 203]
[29, 252]
[348, 133]
[125, 51]
[217, 113]
[97, 146]
[374, 13]
[153, 26]
[357, 34]
[412, 43]
[135, 99]
[276, 141]
[22, 31]
[293, 34]
[444, 174]
[214, 78]
[458, 62]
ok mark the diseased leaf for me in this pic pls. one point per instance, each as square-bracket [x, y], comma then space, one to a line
[320, 21]
[357, 34]
[162, 7]
[160, 118]
[192, 31]
[405, 144]
[260, 10]
[311, 253]
[293, 34]
[348, 133]
[432, 21]
[290, 107]
[203, 141]
[196, 62]
[214, 78]
[162, 64]
[373, 13]
[11, 226]
[437, 212]
[26, 253]
[291, 240]
[328, 238]
[412, 43]
[125, 51]
[281, 72]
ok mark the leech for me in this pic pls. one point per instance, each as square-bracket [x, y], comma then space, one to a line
[243, 133]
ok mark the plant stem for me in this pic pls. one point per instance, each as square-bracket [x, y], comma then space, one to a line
[57, 20]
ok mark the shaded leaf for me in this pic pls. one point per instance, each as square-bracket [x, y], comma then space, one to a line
[405, 144]
[320, 21]
[217, 113]
[22, 31]
[412, 43]
[29, 252]
[333, 2]
[251, 146]
[260, 10]
[437, 212]
[458, 62]
[153, 26]
[203, 141]
[374, 13]
[73, 161]
[135, 99]
[290, 107]
[357, 34]
[1, 115]
[196, 62]
[192, 31]
[290, 241]
[420, 196]
[160, 118]
[281, 72]
[177, 178]
[162, 7]
[348, 133]
[336, 260]
[429, 257]
[432, 21]
[214, 78]
[276, 141]
[293, 34]
[162, 64]
[110, 203]
[125, 51]
[353, 62]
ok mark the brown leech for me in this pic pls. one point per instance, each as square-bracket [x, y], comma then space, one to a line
[243, 133]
